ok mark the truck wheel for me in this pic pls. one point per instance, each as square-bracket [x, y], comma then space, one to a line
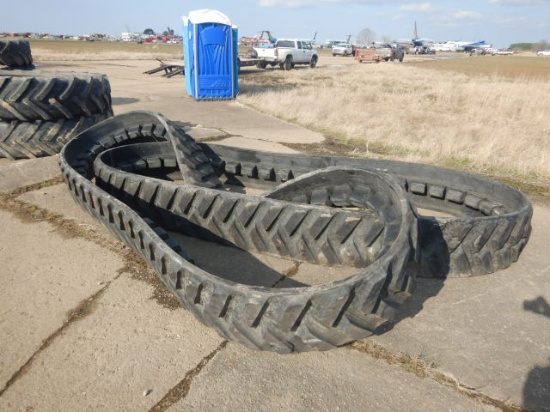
[313, 62]
[261, 65]
[252, 53]
[288, 63]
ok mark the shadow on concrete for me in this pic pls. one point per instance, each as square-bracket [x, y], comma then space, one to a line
[119, 101]
[539, 306]
[425, 289]
[536, 390]
[430, 269]
[231, 263]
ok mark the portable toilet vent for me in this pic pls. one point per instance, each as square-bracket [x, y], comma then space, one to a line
[210, 55]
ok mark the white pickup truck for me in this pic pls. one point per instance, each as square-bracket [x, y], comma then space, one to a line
[287, 53]
[342, 49]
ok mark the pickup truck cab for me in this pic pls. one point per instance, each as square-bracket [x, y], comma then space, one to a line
[287, 53]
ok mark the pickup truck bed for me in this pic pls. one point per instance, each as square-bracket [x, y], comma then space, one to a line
[287, 53]
[367, 55]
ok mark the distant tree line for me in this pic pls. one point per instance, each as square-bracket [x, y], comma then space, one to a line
[541, 45]
[151, 32]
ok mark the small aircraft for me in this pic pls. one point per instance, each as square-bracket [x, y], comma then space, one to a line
[262, 38]
[477, 45]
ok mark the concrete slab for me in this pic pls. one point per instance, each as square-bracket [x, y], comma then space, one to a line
[339, 380]
[124, 356]
[133, 90]
[14, 174]
[256, 144]
[42, 280]
[490, 332]
[57, 199]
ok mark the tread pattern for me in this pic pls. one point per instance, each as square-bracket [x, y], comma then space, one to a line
[27, 97]
[278, 319]
[27, 140]
[15, 53]
[491, 222]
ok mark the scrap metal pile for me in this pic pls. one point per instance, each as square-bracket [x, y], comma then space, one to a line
[330, 211]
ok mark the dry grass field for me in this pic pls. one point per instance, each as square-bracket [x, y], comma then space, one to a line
[486, 114]
[48, 50]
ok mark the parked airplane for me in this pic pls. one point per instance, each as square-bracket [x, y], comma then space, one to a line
[477, 45]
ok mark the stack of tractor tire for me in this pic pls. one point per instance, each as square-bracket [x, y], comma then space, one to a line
[39, 113]
[16, 54]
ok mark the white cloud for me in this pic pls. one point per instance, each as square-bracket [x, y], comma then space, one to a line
[424, 7]
[520, 2]
[462, 18]
[465, 15]
[294, 4]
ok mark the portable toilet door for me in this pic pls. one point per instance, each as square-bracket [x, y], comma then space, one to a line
[210, 54]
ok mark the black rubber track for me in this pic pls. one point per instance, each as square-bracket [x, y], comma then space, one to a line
[26, 140]
[488, 231]
[488, 223]
[27, 97]
[15, 53]
[279, 319]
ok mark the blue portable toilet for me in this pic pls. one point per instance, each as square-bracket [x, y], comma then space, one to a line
[210, 55]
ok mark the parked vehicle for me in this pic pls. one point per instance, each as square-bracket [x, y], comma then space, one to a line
[424, 50]
[502, 52]
[398, 52]
[383, 51]
[387, 52]
[543, 53]
[342, 49]
[287, 53]
[367, 55]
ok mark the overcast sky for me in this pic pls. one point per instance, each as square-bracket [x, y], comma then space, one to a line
[500, 22]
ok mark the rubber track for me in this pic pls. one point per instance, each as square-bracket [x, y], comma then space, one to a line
[26, 97]
[23, 140]
[488, 226]
[15, 53]
[284, 320]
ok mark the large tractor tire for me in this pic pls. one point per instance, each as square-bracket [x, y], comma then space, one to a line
[27, 98]
[27, 140]
[15, 54]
